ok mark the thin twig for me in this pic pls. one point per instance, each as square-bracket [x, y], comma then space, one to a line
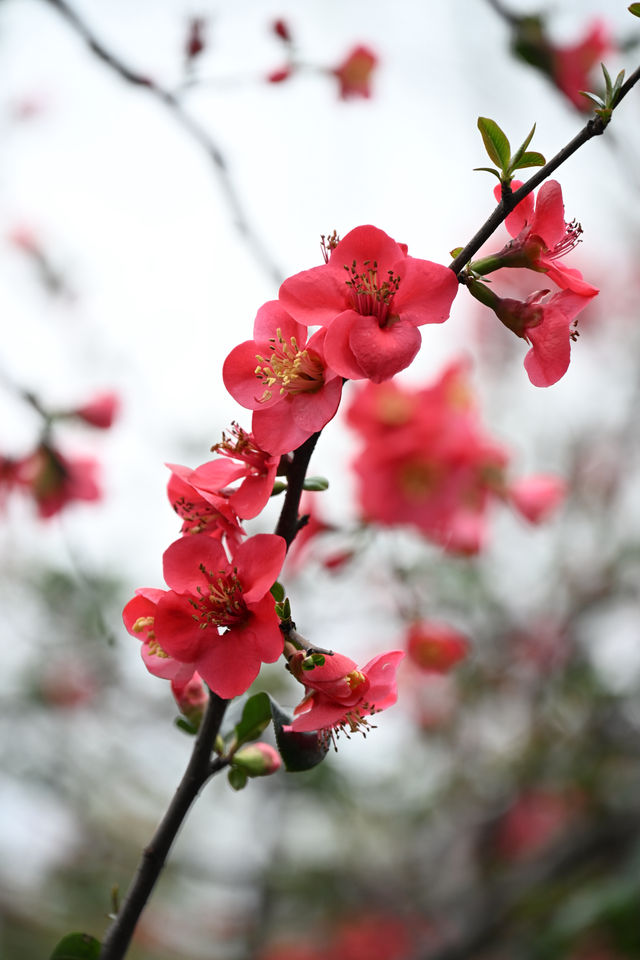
[187, 122]
[593, 128]
[199, 769]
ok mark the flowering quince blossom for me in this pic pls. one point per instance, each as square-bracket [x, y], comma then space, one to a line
[427, 462]
[340, 694]
[354, 73]
[284, 379]
[548, 323]
[55, 480]
[100, 411]
[210, 593]
[371, 297]
[208, 512]
[435, 647]
[571, 66]
[541, 237]
[139, 619]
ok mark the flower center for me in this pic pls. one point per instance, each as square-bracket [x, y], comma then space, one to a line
[196, 516]
[354, 721]
[371, 296]
[419, 479]
[570, 240]
[288, 368]
[240, 445]
[220, 604]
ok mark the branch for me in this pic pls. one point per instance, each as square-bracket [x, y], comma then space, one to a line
[288, 523]
[511, 18]
[593, 128]
[199, 769]
[191, 126]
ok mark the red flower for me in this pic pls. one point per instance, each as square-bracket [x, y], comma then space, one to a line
[571, 66]
[537, 496]
[354, 73]
[139, 617]
[54, 480]
[340, 695]
[257, 470]
[435, 647]
[542, 237]
[549, 325]
[284, 379]
[210, 593]
[371, 296]
[209, 512]
[101, 411]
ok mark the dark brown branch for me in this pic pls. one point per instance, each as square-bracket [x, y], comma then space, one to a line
[288, 523]
[593, 128]
[199, 769]
[511, 18]
[191, 126]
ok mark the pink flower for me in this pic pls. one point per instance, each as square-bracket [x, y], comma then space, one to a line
[354, 73]
[435, 647]
[139, 616]
[54, 480]
[536, 497]
[209, 513]
[548, 323]
[542, 237]
[571, 66]
[257, 470]
[340, 695]
[218, 614]
[284, 379]
[101, 411]
[371, 296]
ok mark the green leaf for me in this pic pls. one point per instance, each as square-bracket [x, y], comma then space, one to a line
[455, 252]
[495, 142]
[315, 483]
[520, 152]
[608, 86]
[256, 717]
[277, 592]
[77, 946]
[299, 751]
[634, 8]
[531, 159]
[594, 98]
[237, 778]
[496, 173]
[183, 724]
[278, 487]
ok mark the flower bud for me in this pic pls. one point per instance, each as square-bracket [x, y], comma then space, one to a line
[258, 760]
[191, 698]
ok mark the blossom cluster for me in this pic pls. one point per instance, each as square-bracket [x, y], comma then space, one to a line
[428, 463]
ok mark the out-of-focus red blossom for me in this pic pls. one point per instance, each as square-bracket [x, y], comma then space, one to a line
[355, 72]
[549, 325]
[426, 461]
[195, 42]
[541, 237]
[543, 646]
[210, 593]
[281, 29]
[535, 820]
[315, 525]
[432, 698]
[279, 75]
[284, 379]
[209, 512]
[370, 297]
[571, 66]
[67, 684]
[191, 697]
[55, 480]
[434, 646]
[536, 497]
[25, 238]
[100, 411]
[365, 937]
[340, 695]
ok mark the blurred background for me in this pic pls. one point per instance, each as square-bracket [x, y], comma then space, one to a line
[154, 189]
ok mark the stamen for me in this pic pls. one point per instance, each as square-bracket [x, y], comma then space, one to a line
[293, 369]
[570, 240]
[371, 296]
